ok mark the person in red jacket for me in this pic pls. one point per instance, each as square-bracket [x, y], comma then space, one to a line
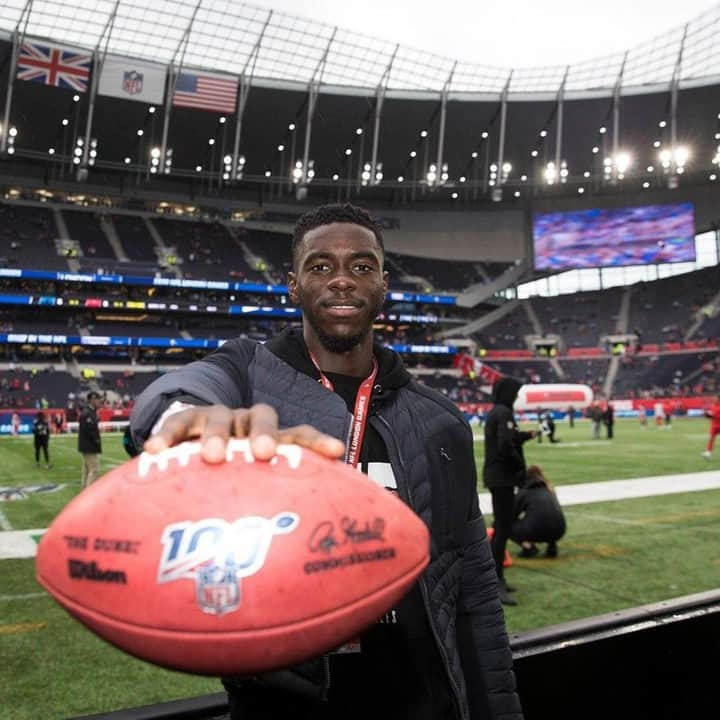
[714, 414]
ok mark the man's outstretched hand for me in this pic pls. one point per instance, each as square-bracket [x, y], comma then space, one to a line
[214, 425]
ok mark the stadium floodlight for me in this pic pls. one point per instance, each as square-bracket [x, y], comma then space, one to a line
[681, 155]
[646, 184]
[336, 177]
[359, 131]
[298, 164]
[586, 174]
[517, 193]
[717, 136]
[603, 130]
[154, 169]
[152, 109]
[198, 168]
[493, 167]
[12, 132]
[281, 147]
[155, 152]
[76, 98]
[713, 176]
[11, 150]
[454, 196]
[413, 154]
[665, 158]
[211, 141]
[93, 154]
[543, 133]
[622, 162]
[484, 135]
[607, 162]
[534, 153]
[507, 168]
[581, 190]
[431, 175]
[227, 159]
[291, 127]
[51, 151]
[595, 149]
[155, 162]
[348, 152]
[401, 178]
[462, 178]
[222, 120]
[268, 173]
[64, 122]
[127, 161]
[662, 124]
[226, 176]
[523, 178]
[76, 161]
[140, 132]
[650, 168]
[474, 154]
[423, 133]
[550, 173]
[379, 173]
[657, 144]
[77, 152]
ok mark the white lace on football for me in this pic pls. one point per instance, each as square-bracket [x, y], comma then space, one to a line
[183, 452]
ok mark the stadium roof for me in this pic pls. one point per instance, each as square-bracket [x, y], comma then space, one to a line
[285, 51]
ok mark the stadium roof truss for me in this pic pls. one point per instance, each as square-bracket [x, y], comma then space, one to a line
[289, 52]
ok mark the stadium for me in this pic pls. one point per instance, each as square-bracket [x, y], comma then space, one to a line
[558, 225]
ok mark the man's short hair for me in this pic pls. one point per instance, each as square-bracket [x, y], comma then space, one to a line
[92, 395]
[337, 213]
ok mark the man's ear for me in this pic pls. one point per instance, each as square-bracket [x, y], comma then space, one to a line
[386, 280]
[292, 287]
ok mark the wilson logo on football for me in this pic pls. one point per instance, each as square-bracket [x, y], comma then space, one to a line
[217, 554]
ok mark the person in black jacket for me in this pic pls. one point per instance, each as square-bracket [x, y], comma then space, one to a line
[442, 652]
[89, 442]
[504, 470]
[538, 516]
[41, 436]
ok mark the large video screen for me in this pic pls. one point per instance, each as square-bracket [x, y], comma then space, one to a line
[613, 237]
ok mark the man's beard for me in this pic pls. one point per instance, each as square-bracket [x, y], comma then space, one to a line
[339, 344]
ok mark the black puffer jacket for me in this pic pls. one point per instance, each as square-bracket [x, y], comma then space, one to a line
[504, 459]
[429, 444]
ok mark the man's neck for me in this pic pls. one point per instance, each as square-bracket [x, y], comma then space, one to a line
[357, 362]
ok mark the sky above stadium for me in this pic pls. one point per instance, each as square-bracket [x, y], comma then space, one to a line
[513, 33]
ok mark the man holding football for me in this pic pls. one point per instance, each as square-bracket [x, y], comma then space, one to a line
[442, 653]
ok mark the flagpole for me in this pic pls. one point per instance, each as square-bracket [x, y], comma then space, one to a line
[18, 38]
[98, 63]
[172, 82]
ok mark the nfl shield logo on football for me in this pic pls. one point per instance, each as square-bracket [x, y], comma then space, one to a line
[217, 589]
[132, 82]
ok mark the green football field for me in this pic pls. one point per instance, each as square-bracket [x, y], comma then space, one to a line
[615, 555]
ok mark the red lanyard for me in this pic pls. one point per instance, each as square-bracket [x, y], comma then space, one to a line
[362, 406]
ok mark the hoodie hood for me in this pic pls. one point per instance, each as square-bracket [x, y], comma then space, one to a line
[505, 391]
[290, 347]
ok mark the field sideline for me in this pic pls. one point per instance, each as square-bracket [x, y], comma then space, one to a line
[616, 554]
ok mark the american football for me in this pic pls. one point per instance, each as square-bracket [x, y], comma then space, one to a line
[239, 567]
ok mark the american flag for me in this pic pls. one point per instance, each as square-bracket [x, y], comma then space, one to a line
[52, 65]
[207, 92]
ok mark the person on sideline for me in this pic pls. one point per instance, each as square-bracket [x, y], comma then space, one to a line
[41, 437]
[608, 418]
[503, 471]
[446, 651]
[89, 442]
[538, 516]
[714, 414]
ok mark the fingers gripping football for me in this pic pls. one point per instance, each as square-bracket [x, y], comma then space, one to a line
[215, 424]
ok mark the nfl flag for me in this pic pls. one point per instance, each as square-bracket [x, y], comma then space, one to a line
[207, 92]
[53, 65]
[125, 78]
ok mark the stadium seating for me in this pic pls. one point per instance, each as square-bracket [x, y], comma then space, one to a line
[27, 238]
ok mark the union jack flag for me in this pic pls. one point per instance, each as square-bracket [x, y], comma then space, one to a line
[52, 65]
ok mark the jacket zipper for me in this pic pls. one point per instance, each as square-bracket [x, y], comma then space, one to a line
[421, 582]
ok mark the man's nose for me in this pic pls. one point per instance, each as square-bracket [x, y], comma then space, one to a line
[342, 279]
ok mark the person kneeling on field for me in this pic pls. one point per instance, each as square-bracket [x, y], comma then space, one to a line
[538, 516]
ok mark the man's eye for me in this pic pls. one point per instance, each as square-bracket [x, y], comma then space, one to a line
[319, 267]
[364, 267]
